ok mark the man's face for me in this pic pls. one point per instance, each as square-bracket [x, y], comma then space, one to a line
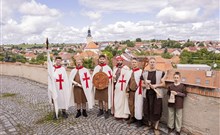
[58, 62]
[119, 62]
[134, 63]
[176, 78]
[152, 63]
[79, 63]
[102, 60]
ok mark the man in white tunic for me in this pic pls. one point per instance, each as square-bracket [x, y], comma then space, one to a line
[135, 94]
[104, 96]
[81, 86]
[61, 86]
[121, 74]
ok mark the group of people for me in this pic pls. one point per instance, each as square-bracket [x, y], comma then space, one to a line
[131, 94]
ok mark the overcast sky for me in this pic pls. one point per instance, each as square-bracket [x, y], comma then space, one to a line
[67, 21]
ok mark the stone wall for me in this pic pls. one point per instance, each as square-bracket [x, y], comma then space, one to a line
[201, 114]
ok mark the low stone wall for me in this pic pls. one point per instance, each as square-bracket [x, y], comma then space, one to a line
[201, 114]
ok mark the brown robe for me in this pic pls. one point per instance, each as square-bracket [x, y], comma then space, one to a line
[132, 89]
[101, 94]
[79, 95]
[152, 106]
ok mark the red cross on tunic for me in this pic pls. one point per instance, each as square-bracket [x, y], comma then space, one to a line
[86, 79]
[110, 75]
[60, 80]
[122, 81]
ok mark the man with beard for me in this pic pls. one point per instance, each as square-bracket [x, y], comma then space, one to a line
[121, 75]
[81, 86]
[104, 96]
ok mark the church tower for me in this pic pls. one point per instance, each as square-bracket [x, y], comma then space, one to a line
[89, 36]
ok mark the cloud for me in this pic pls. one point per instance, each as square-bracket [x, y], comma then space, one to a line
[191, 19]
[129, 6]
[92, 15]
[170, 14]
[34, 8]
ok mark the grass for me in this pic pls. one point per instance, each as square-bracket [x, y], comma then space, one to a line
[8, 94]
[49, 118]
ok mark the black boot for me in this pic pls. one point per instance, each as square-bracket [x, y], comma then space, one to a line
[139, 123]
[78, 113]
[106, 114]
[65, 115]
[131, 120]
[84, 113]
[126, 119]
[100, 112]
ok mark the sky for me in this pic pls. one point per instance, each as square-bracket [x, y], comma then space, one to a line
[67, 21]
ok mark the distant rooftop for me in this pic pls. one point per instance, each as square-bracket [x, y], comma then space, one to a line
[194, 66]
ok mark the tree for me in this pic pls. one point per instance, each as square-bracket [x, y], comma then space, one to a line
[129, 43]
[201, 44]
[138, 40]
[188, 44]
[166, 55]
[89, 63]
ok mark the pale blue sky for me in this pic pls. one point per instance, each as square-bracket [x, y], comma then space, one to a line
[30, 21]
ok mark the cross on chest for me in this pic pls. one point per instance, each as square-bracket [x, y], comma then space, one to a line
[60, 80]
[86, 78]
[122, 81]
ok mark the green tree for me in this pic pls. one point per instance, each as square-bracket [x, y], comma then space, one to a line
[138, 40]
[201, 44]
[129, 43]
[89, 63]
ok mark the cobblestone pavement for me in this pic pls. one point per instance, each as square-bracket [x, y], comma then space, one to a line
[24, 113]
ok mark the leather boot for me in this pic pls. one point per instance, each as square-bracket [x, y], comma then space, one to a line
[100, 112]
[65, 115]
[84, 113]
[78, 113]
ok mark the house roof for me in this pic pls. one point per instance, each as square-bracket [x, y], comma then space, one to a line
[199, 78]
[91, 45]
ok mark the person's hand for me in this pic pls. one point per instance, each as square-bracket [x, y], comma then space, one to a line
[174, 92]
[153, 86]
[127, 94]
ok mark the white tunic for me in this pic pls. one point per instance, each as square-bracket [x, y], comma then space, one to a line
[62, 88]
[120, 97]
[86, 82]
[108, 71]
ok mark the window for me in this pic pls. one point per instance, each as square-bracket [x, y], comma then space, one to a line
[198, 81]
[183, 79]
[206, 82]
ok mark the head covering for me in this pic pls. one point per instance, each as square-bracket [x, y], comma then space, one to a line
[119, 58]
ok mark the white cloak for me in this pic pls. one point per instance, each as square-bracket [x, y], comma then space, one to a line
[63, 94]
[138, 104]
[108, 71]
[87, 88]
[121, 106]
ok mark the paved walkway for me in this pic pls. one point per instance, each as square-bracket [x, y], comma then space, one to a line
[24, 109]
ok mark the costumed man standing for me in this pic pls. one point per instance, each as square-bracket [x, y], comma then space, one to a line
[154, 81]
[121, 75]
[135, 94]
[61, 85]
[81, 86]
[104, 96]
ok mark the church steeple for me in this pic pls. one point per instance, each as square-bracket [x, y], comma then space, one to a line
[89, 33]
[89, 36]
